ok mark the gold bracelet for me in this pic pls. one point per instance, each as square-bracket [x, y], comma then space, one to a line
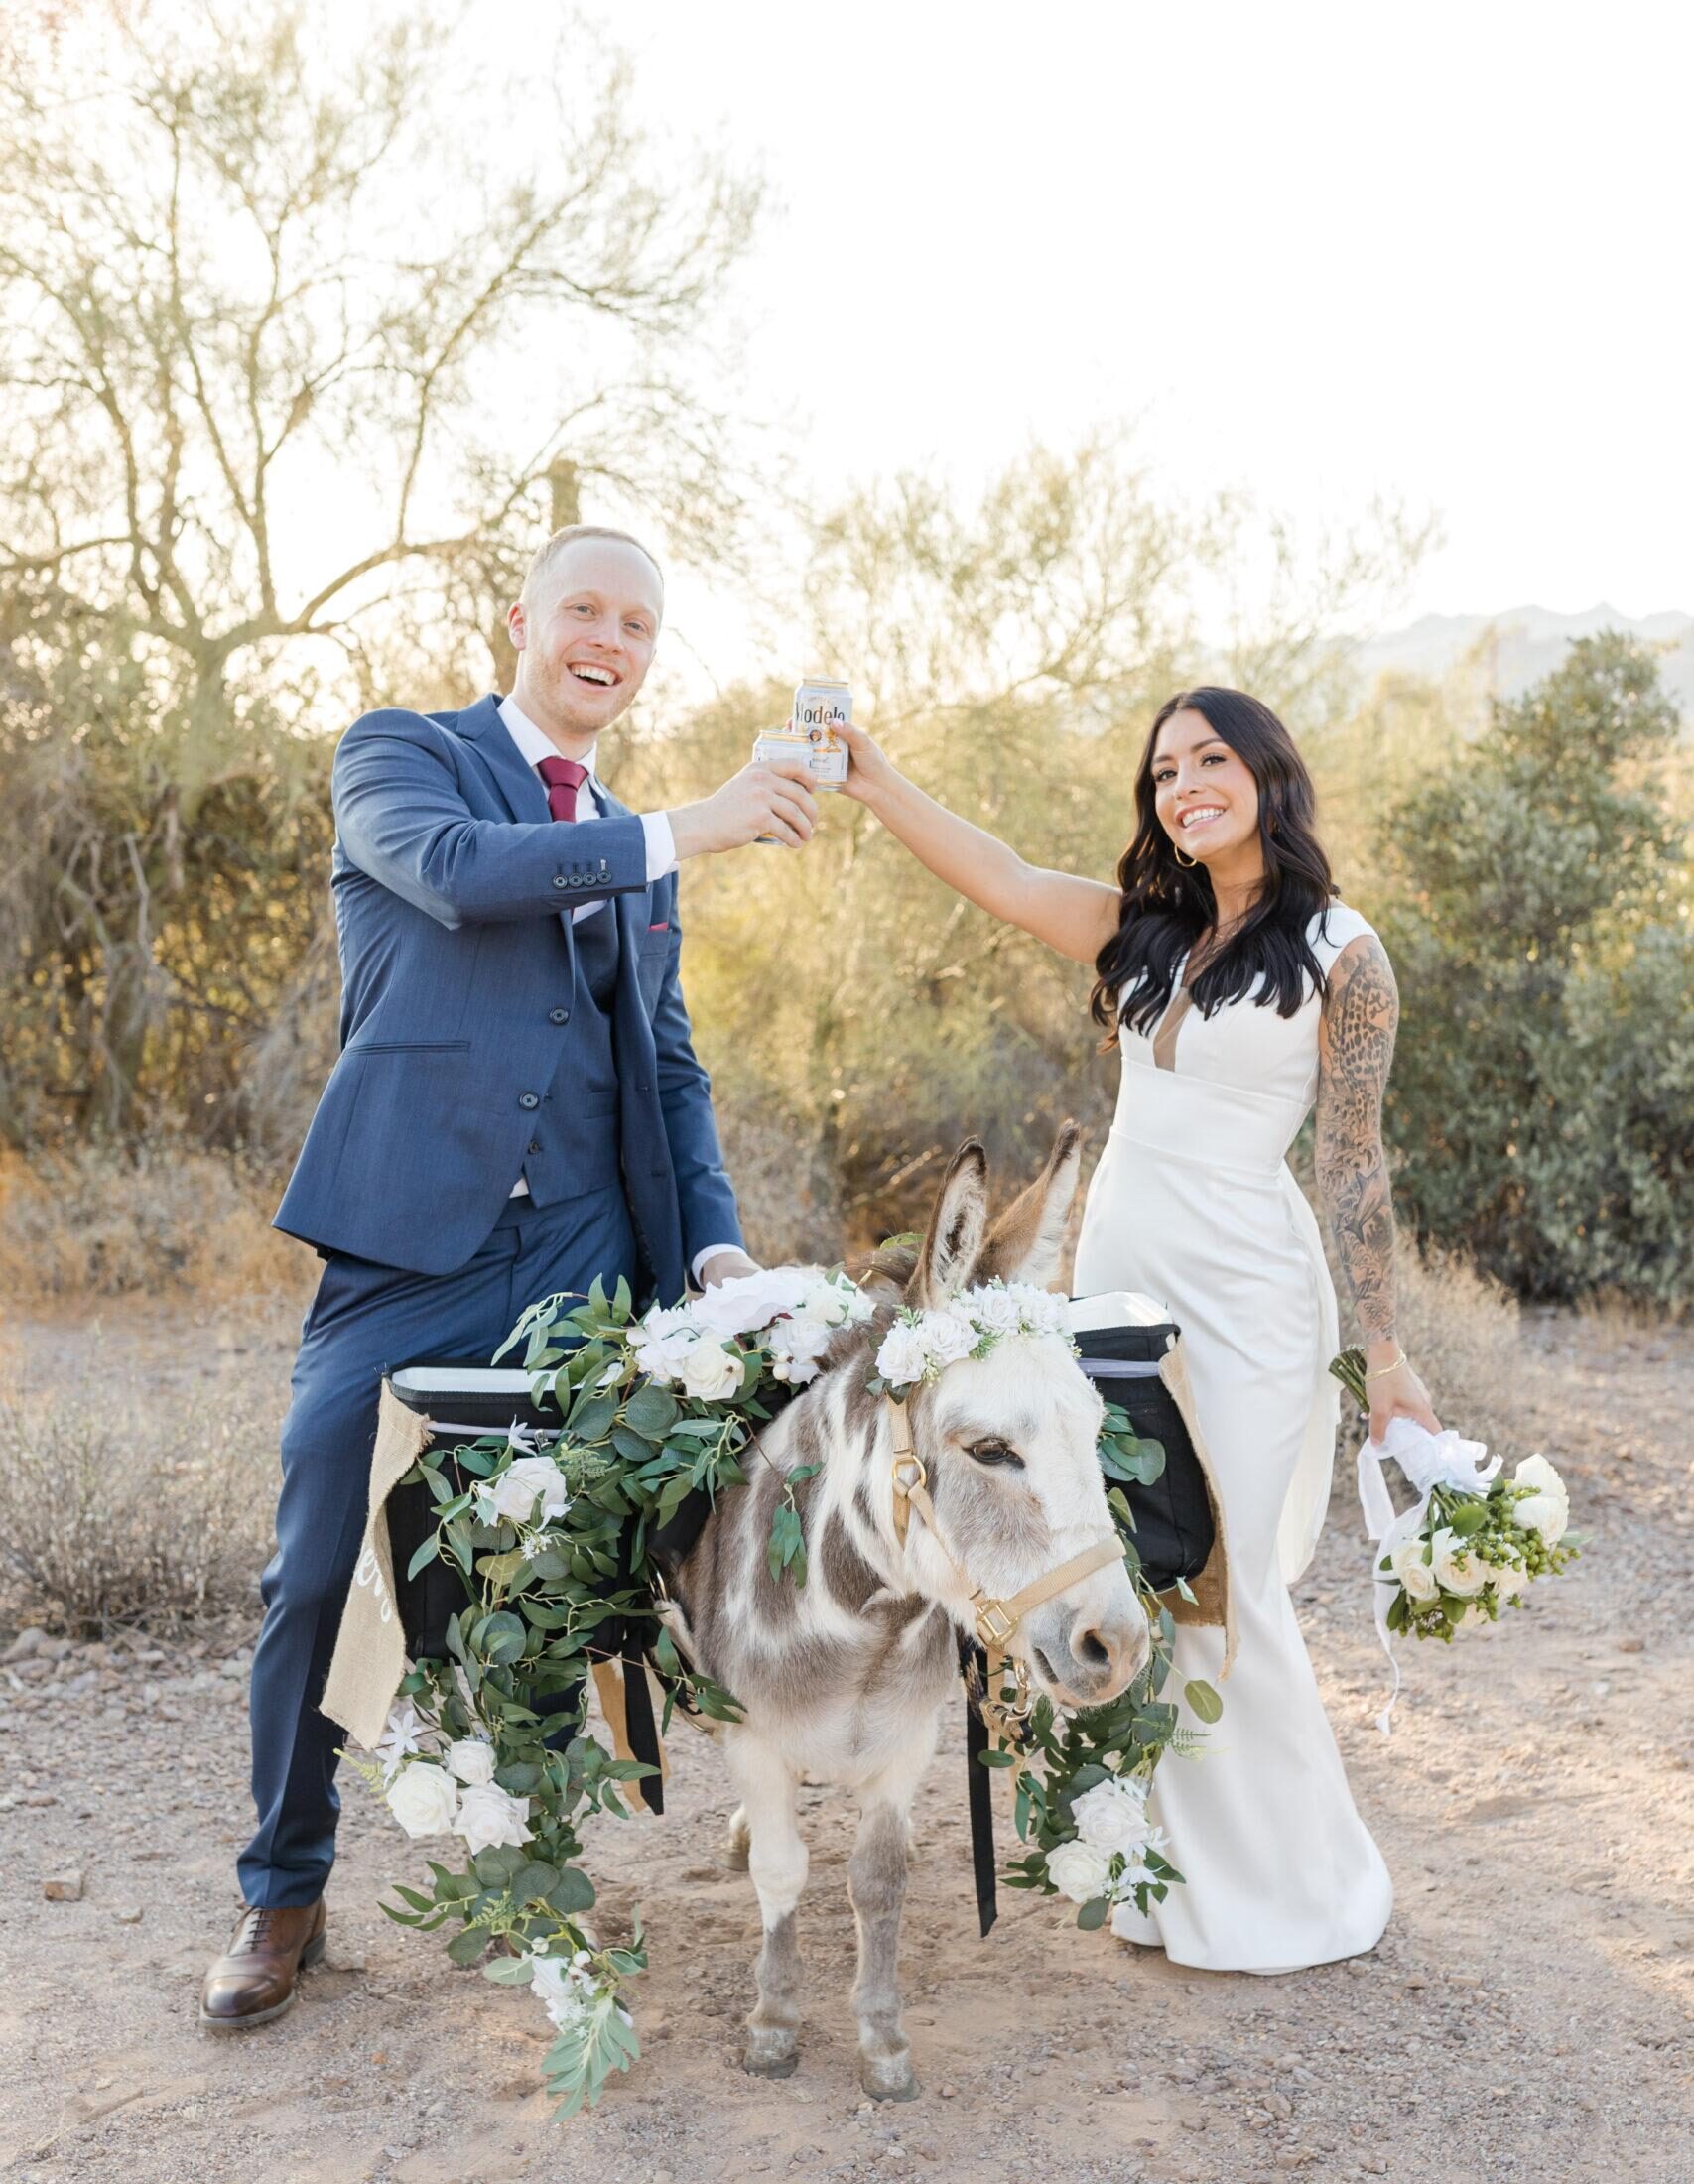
[1382, 1372]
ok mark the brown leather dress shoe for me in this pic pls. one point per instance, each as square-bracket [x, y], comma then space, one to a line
[258, 1977]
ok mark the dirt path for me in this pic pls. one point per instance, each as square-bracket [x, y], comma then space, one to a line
[1529, 2015]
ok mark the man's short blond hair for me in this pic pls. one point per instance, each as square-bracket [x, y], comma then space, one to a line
[535, 575]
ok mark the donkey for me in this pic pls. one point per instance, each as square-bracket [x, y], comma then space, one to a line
[844, 1679]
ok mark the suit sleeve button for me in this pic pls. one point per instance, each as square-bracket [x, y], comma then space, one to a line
[559, 880]
[527, 1100]
[559, 1016]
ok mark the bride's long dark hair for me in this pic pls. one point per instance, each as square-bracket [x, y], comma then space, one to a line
[1167, 906]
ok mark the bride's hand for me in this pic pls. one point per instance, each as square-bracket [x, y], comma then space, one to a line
[870, 772]
[1398, 1394]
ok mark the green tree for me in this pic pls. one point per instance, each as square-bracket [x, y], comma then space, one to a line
[301, 354]
[1541, 929]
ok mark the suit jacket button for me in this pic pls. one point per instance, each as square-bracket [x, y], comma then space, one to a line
[559, 1016]
[559, 880]
[528, 1099]
[533, 1146]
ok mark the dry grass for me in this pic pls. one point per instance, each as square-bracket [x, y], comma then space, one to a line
[110, 1515]
[94, 1222]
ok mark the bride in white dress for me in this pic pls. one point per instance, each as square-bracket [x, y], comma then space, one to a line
[1238, 991]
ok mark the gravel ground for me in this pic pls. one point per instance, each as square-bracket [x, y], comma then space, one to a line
[1527, 2015]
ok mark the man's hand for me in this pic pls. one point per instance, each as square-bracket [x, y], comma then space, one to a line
[727, 1266]
[773, 799]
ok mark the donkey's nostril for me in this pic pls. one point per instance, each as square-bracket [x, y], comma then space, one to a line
[1093, 1649]
[1045, 1666]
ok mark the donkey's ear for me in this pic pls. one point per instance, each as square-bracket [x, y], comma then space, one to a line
[1028, 1240]
[947, 1259]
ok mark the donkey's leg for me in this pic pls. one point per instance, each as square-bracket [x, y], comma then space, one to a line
[777, 1862]
[877, 1882]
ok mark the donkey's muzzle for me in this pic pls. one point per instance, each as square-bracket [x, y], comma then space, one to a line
[1090, 1658]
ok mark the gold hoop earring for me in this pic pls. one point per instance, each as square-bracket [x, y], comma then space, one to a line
[1190, 862]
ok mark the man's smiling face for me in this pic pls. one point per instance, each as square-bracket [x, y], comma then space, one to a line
[585, 636]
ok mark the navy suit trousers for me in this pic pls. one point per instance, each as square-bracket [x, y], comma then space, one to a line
[364, 1321]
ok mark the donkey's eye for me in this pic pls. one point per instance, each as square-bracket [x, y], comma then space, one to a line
[994, 1451]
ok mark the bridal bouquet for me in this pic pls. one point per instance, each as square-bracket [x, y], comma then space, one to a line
[1473, 1541]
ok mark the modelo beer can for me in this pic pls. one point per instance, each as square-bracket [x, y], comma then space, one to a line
[819, 709]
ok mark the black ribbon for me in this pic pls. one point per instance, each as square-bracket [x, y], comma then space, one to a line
[979, 1788]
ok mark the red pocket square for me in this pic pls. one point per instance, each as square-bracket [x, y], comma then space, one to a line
[663, 925]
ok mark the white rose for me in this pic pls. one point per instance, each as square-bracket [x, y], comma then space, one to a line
[472, 1760]
[423, 1798]
[666, 1358]
[902, 1358]
[712, 1373]
[1547, 1514]
[1078, 1870]
[1457, 1567]
[490, 1816]
[1413, 1572]
[1112, 1816]
[512, 1496]
[749, 1302]
[659, 1324]
[1536, 1472]
[998, 1309]
[825, 1303]
[948, 1336]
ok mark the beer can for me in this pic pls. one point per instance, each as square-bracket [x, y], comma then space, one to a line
[809, 735]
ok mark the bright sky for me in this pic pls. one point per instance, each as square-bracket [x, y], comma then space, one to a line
[1436, 252]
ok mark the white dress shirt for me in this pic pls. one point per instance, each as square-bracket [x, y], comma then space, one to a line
[661, 860]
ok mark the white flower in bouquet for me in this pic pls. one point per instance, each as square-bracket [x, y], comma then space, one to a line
[512, 1496]
[797, 1347]
[667, 1359]
[423, 1798]
[1112, 1816]
[472, 1760]
[490, 1816]
[828, 1304]
[902, 1359]
[1078, 1871]
[1412, 1569]
[948, 1336]
[749, 1302]
[565, 1984]
[1457, 1566]
[405, 1733]
[712, 1373]
[1548, 1507]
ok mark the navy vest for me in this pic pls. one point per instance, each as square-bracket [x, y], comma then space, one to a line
[576, 1147]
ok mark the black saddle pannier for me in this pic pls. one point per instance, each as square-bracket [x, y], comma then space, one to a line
[465, 1402]
[1122, 1338]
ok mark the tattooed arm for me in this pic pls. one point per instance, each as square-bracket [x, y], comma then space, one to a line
[1355, 1044]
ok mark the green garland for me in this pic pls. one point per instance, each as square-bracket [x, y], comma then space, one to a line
[466, 1748]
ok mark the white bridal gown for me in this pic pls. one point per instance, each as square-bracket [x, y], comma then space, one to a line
[1193, 1203]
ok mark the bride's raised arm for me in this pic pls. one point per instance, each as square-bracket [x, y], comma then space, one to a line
[1075, 916]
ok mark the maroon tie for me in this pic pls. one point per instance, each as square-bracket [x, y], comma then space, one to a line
[563, 777]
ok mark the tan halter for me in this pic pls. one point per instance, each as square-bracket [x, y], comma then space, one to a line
[997, 1621]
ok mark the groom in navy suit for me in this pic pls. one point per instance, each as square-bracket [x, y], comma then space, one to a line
[516, 1110]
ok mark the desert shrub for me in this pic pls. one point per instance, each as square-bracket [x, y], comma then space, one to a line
[97, 1221]
[110, 1517]
[1542, 936]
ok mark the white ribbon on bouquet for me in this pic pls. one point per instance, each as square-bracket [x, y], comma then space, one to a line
[1428, 1460]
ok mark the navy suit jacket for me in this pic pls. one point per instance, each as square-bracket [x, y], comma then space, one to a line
[454, 888]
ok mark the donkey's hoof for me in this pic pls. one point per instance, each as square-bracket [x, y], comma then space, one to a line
[888, 2078]
[761, 2061]
[733, 1853]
